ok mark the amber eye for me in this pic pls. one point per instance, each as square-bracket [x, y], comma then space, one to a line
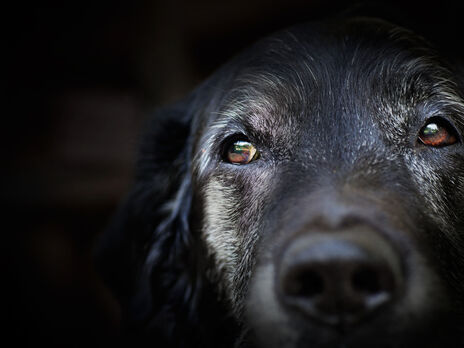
[241, 152]
[438, 133]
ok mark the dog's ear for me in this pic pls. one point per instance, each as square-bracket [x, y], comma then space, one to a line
[143, 256]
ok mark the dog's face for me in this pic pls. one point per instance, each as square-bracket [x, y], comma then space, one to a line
[331, 182]
[325, 170]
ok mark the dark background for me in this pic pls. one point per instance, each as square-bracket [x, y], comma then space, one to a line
[79, 79]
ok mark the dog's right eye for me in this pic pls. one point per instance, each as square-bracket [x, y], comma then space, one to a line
[241, 152]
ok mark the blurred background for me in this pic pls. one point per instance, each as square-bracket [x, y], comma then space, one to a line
[79, 79]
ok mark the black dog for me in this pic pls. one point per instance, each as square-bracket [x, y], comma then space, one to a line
[309, 194]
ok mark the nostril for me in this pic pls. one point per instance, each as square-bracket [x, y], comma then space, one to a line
[373, 285]
[304, 283]
[366, 280]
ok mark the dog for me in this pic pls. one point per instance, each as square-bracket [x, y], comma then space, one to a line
[310, 193]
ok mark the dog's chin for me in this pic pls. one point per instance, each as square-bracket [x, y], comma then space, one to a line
[318, 337]
[379, 334]
[273, 325]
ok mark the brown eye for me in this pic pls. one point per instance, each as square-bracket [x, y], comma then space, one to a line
[438, 133]
[241, 152]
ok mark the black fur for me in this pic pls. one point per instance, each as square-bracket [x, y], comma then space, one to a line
[154, 255]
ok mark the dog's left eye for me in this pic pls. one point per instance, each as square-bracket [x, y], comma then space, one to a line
[241, 152]
[438, 132]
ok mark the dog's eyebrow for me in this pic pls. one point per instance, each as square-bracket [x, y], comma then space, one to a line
[263, 101]
[246, 116]
[233, 115]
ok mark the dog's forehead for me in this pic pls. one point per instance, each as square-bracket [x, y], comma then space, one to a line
[315, 92]
[366, 72]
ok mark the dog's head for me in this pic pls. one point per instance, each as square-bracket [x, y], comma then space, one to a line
[309, 194]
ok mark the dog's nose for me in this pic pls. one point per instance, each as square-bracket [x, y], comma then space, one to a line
[339, 281]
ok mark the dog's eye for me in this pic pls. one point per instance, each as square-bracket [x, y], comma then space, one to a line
[241, 152]
[438, 132]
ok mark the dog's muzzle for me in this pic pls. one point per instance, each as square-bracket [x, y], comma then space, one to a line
[338, 278]
[345, 271]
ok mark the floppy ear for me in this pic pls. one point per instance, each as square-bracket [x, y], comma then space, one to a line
[149, 256]
[145, 254]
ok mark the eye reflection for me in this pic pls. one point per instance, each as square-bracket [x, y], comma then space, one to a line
[242, 152]
[437, 133]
